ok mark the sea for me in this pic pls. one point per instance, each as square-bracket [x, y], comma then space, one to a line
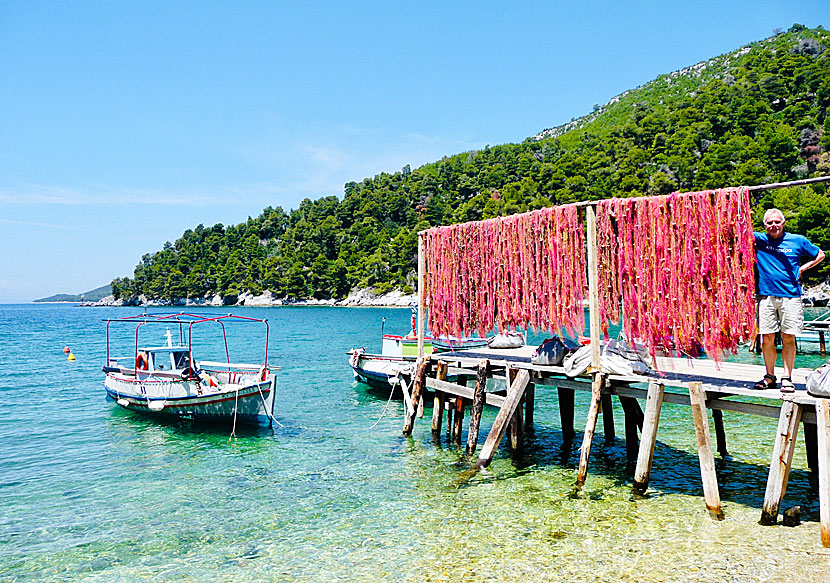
[332, 491]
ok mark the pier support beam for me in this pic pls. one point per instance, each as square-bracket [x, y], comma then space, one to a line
[608, 419]
[566, 412]
[515, 391]
[458, 420]
[590, 427]
[439, 399]
[782, 458]
[654, 404]
[478, 406]
[720, 432]
[417, 389]
[810, 432]
[709, 477]
[530, 403]
[823, 447]
[633, 415]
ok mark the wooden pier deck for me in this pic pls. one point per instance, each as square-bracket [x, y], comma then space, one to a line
[701, 384]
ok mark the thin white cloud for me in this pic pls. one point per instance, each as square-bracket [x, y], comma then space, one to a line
[40, 225]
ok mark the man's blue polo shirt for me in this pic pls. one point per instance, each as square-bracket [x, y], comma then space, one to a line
[778, 262]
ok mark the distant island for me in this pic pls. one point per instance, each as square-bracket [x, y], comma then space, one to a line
[90, 296]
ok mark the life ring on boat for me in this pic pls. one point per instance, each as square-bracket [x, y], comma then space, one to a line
[141, 362]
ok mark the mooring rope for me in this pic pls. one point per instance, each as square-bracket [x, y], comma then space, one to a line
[265, 404]
[391, 393]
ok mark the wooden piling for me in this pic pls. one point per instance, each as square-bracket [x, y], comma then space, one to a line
[478, 406]
[709, 477]
[720, 432]
[823, 447]
[608, 419]
[821, 344]
[633, 422]
[530, 403]
[810, 432]
[782, 457]
[439, 399]
[417, 390]
[566, 412]
[654, 404]
[458, 420]
[514, 397]
[590, 427]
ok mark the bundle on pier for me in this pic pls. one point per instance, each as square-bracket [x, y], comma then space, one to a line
[680, 267]
[525, 270]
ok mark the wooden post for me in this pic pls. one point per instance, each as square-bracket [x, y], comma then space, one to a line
[720, 433]
[822, 347]
[566, 412]
[450, 409]
[530, 399]
[811, 445]
[516, 422]
[608, 419]
[440, 398]
[421, 279]
[478, 406]
[590, 426]
[782, 457]
[823, 438]
[631, 408]
[709, 477]
[514, 397]
[654, 403]
[458, 420]
[417, 388]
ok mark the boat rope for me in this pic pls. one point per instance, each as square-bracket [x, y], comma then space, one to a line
[235, 409]
[404, 388]
[265, 404]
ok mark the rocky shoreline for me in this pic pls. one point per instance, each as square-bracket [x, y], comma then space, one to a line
[357, 298]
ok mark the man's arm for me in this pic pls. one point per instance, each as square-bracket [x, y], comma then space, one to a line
[811, 264]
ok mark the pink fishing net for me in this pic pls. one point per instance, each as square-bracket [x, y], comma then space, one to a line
[679, 269]
[520, 271]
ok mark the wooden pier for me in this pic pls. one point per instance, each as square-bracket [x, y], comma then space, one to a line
[703, 385]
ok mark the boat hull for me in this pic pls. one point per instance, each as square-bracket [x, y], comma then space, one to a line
[248, 403]
[376, 370]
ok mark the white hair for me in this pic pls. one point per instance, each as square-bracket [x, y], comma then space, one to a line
[773, 211]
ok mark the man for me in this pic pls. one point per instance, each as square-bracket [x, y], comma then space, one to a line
[779, 259]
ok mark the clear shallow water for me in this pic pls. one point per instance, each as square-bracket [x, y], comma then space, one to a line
[89, 492]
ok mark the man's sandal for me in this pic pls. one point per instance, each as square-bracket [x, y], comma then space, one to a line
[787, 385]
[768, 382]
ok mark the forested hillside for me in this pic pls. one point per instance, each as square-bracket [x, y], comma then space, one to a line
[754, 116]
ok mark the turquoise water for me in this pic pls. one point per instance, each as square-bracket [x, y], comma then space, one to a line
[89, 492]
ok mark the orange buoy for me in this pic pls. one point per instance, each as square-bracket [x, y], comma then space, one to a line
[66, 350]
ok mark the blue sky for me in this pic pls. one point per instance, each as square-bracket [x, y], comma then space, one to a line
[122, 124]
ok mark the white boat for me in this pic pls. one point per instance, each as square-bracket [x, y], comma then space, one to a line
[167, 380]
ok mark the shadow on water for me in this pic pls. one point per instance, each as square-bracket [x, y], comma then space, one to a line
[674, 471]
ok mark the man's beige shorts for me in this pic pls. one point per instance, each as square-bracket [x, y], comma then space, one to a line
[780, 314]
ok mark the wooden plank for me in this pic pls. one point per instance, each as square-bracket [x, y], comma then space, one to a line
[823, 446]
[439, 398]
[514, 397]
[782, 455]
[645, 457]
[590, 427]
[608, 418]
[697, 398]
[466, 392]
[720, 432]
[417, 389]
[566, 412]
